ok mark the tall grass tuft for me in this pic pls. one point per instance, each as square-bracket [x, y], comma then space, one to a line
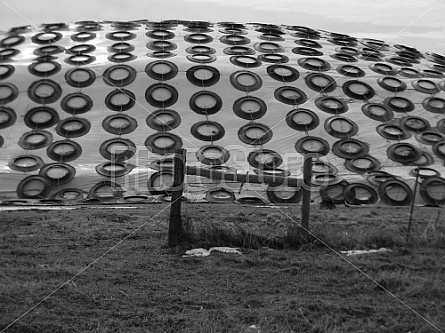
[233, 235]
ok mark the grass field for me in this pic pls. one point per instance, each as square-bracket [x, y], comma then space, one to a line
[109, 270]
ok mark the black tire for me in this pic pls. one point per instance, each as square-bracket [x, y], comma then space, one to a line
[176, 143]
[393, 202]
[52, 153]
[427, 196]
[115, 191]
[350, 194]
[8, 117]
[70, 172]
[274, 198]
[45, 189]
[119, 157]
[107, 75]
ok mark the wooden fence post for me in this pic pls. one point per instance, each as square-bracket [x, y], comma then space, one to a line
[412, 206]
[175, 225]
[306, 206]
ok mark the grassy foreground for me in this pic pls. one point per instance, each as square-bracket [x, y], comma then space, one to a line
[108, 270]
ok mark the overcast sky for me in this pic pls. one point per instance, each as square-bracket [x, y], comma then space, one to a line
[416, 23]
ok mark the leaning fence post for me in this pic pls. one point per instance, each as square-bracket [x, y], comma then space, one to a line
[175, 225]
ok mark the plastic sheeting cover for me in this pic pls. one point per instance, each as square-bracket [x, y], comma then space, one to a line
[86, 94]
